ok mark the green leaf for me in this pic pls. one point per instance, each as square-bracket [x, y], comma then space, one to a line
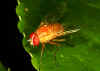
[2, 67]
[81, 51]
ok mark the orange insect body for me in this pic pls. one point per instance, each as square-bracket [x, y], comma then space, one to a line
[49, 32]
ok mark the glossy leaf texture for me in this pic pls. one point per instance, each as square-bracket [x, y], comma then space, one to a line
[81, 51]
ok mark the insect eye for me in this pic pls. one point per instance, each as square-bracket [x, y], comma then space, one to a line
[31, 35]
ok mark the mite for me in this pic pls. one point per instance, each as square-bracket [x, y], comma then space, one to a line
[48, 33]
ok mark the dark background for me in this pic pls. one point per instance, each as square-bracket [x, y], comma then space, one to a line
[15, 57]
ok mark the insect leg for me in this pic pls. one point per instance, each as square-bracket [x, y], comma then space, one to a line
[43, 46]
[53, 43]
[55, 57]
[59, 40]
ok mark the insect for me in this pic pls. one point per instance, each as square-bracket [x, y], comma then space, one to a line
[47, 33]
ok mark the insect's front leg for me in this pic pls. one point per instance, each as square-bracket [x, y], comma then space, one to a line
[42, 51]
[43, 46]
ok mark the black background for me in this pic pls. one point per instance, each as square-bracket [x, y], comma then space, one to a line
[15, 57]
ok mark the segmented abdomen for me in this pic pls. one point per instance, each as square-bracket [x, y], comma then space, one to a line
[49, 32]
